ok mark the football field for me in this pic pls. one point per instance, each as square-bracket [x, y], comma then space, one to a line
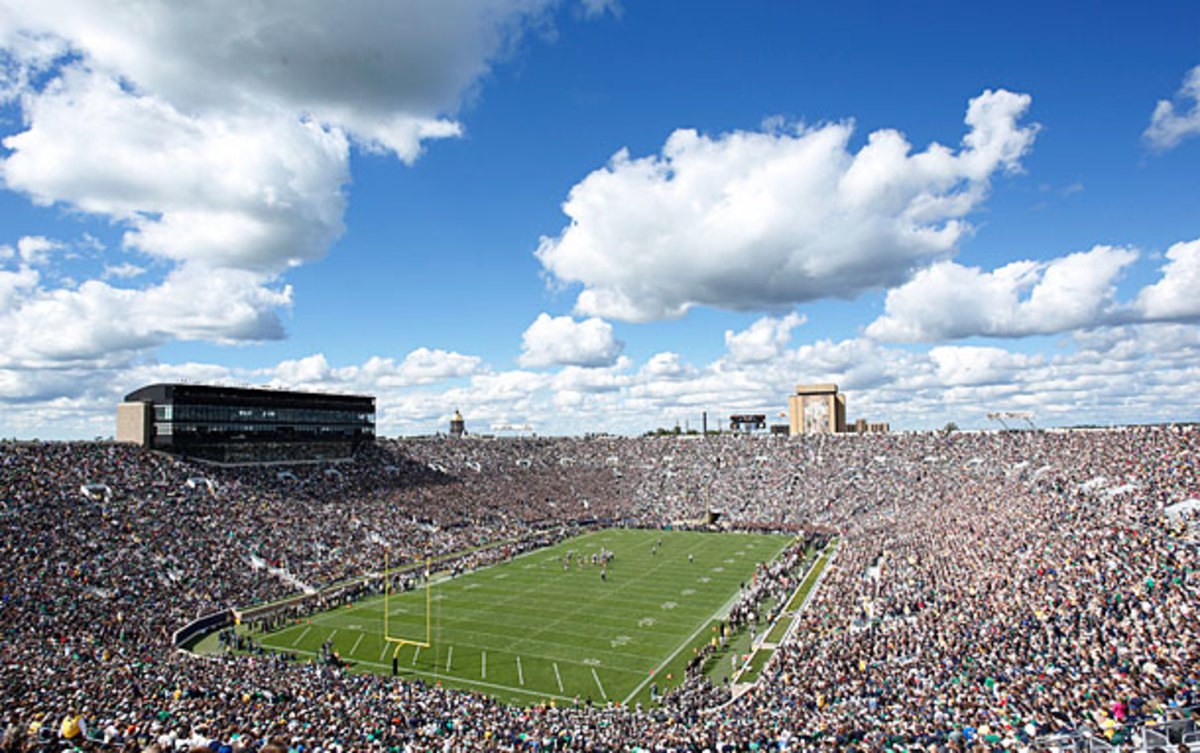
[531, 629]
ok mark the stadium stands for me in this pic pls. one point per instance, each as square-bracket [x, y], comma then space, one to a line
[1018, 590]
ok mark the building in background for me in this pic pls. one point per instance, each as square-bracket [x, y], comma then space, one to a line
[745, 423]
[242, 425]
[816, 409]
[458, 427]
[862, 426]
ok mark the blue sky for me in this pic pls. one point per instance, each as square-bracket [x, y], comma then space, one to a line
[592, 215]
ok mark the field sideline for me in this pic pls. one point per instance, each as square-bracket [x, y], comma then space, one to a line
[527, 631]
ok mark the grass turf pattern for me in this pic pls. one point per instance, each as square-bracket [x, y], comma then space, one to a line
[528, 630]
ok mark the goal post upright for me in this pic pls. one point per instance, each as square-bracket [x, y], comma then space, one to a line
[387, 590]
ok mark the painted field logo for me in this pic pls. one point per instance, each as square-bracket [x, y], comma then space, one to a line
[669, 605]
[620, 640]
[646, 622]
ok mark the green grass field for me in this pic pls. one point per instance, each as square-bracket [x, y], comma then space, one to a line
[527, 631]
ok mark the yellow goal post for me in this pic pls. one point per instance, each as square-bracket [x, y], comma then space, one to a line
[387, 590]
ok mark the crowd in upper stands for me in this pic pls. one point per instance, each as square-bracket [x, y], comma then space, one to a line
[988, 591]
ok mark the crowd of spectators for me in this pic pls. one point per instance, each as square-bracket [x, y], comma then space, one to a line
[989, 590]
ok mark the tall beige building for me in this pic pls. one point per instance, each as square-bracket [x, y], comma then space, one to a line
[816, 409]
[135, 423]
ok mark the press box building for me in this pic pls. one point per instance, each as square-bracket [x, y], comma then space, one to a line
[238, 425]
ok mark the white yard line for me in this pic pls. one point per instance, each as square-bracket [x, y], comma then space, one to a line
[465, 681]
[383, 653]
[484, 654]
[297, 641]
[687, 642]
[558, 677]
[520, 674]
[416, 654]
[598, 684]
[356, 643]
[449, 657]
[331, 635]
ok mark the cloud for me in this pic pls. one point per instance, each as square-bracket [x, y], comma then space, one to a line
[105, 325]
[666, 367]
[581, 379]
[124, 271]
[762, 220]
[15, 286]
[948, 300]
[1127, 373]
[561, 341]
[762, 340]
[1176, 297]
[958, 366]
[34, 250]
[216, 137]
[1169, 125]
[1076, 292]
[302, 373]
[425, 366]
[390, 74]
[260, 192]
[593, 8]
[422, 366]
[79, 402]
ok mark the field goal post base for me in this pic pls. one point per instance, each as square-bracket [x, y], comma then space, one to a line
[402, 642]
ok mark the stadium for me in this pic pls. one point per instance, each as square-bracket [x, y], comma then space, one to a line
[478, 374]
[1024, 590]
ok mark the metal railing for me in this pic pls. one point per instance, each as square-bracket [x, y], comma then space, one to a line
[1147, 737]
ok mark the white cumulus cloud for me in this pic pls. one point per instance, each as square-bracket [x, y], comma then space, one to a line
[562, 341]
[35, 249]
[1075, 292]
[763, 340]
[761, 220]
[1177, 295]
[949, 300]
[422, 366]
[962, 365]
[1170, 124]
[261, 192]
[103, 325]
[666, 366]
[390, 74]
[125, 271]
[216, 137]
